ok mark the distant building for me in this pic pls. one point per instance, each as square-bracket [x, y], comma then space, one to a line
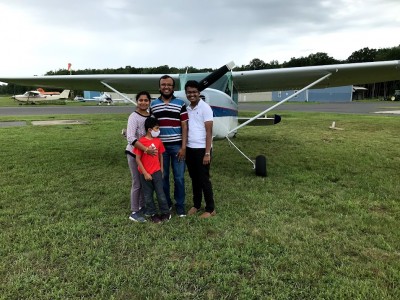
[90, 94]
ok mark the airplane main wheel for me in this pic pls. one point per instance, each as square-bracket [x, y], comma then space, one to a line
[261, 166]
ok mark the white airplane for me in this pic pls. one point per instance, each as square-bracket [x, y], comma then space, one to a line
[220, 88]
[104, 98]
[39, 95]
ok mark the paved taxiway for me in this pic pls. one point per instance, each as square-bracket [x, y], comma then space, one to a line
[385, 107]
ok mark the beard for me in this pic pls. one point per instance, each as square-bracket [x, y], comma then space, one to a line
[166, 96]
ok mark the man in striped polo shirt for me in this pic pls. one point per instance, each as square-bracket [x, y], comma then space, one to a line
[172, 117]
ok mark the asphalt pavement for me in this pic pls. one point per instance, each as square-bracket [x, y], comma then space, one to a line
[385, 107]
[389, 107]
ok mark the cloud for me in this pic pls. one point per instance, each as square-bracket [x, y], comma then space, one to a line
[39, 36]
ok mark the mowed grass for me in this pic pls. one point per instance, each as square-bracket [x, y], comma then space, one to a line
[324, 224]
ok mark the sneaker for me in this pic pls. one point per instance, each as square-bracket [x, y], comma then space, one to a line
[136, 217]
[182, 215]
[142, 211]
[155, 219]
[165, 217]
[192, 211]
[208, 214]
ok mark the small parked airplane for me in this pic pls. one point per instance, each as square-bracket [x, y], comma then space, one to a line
[40, 95]
[220, 88]
[103, 98]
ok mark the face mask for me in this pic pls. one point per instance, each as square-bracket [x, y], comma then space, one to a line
[155, 133]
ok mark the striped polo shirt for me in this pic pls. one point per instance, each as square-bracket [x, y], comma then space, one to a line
[170, 116]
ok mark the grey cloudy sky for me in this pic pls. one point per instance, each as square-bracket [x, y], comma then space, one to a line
[42, 35]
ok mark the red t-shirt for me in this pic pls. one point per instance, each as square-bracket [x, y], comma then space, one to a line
[150, 163]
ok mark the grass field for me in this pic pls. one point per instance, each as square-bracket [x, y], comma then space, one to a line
[324, 224]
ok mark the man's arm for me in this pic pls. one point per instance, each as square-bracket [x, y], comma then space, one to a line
[182, 151]
[208, 126]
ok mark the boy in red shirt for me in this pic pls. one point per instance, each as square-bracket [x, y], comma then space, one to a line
[151, 169]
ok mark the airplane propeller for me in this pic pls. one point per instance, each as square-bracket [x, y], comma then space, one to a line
[214, 76]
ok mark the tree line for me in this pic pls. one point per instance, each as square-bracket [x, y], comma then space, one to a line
[320, 58]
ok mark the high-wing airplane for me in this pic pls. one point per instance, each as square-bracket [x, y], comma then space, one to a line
[220, 88]
[40, 95]
[104, 98]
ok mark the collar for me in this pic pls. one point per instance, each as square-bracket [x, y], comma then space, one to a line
[172, 98]
[190, 107]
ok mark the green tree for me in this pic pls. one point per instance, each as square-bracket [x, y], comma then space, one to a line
[388, 54]
[363, 55]
[257, 64]
[315, 59]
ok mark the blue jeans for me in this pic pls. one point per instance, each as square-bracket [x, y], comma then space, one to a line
[178, 169]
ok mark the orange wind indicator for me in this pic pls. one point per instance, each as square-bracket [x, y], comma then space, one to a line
[69, 68]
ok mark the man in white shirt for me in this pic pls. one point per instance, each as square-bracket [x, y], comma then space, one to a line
[198, 149]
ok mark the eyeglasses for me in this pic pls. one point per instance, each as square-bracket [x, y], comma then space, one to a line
[166, 85]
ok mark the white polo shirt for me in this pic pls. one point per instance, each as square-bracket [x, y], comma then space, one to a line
[201, 113]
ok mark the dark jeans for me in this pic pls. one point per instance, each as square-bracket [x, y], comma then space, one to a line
[178, 170]
[148, 188]
[200, 175]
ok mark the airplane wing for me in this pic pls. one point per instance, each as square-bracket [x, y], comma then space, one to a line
[297, 78]
[244, 81]
[129, 83]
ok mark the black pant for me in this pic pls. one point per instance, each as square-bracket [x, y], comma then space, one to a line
[200, 175]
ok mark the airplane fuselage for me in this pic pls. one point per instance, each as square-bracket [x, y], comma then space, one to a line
[35, 96]
[224, 108]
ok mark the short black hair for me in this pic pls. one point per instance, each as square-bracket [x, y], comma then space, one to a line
[192, 84]
[146, 93]
[166, 77]
[150, 122]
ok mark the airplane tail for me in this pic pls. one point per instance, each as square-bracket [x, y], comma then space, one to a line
[64, 94]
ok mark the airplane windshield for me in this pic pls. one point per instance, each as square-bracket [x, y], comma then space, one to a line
[224, 84]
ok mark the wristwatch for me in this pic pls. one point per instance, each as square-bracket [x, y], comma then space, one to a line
[207, 154]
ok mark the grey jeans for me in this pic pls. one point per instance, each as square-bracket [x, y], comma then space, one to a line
[148, 187]
[137, 199]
